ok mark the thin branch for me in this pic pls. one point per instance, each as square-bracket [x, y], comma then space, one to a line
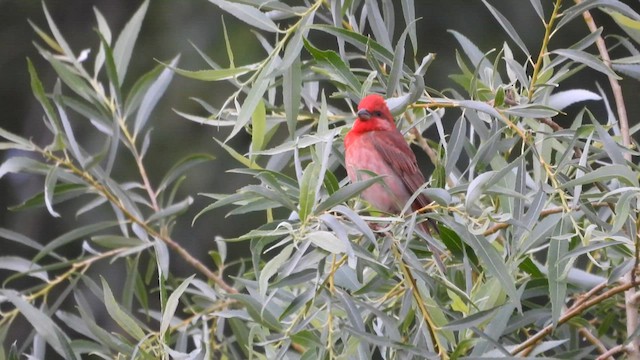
[613, 351]
[574, 311]
[630, 304]
[104, 191]
[548, 27]
[596, 342]
[555, 210]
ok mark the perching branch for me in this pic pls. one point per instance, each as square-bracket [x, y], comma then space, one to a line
[631, 307]
[575, 310]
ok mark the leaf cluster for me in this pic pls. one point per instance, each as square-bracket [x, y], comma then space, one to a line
[537, 223]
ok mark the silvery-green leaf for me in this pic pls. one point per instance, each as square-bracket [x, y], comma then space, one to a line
[172, 304]
[327, 241]
[508, 28]
[152, 96]
[248, 14]
[587, 59]
[123, 47]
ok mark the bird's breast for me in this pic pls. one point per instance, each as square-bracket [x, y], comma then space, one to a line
[391, 194]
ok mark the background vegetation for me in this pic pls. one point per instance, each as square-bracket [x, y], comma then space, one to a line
[529, 144]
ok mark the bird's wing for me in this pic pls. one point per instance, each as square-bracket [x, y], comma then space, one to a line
[397, 154]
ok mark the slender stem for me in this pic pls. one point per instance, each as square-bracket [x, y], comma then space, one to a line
[104, 191]
[613, 351]
[575, 310]
[411, 282]
[595, 341]
[631, 308]
[548, 29]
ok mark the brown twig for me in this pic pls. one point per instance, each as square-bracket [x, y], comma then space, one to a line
[104, 191]
[555, 210]
[595, 341]
[552, 124]
[613, 351]
[575, 310]
[631, 308]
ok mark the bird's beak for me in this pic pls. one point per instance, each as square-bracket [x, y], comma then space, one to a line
[364, 114]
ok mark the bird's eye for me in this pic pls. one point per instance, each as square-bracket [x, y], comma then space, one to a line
[377, 113]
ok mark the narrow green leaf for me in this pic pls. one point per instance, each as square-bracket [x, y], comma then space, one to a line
[140, 88]
[179, 168]
[66, 49]
[358, 40]
[258, 312]
[327, 241]
[227, 44]
[123, 47]
[38, 92]
[205, 120]
[488, 254]
[579, 8]
[294, 45]
[292, 94]
[258, 129]
[76, 234]
[395, 75]
[248, 14]
[455, 144]
[61, 192]
[21, 265]
[105, 34]
[49, 186]
[69, 136]
[22, 164]
[115, 242]
[409, 12]
[69, 75]
[152, 96]
[112, 71]
[308, 185]
[377, 24]
[587, 59]
[172, 304]
[171, 210]
[338, 69]
[239, 157]
[478, 59]
[629, 25]
[508, 28]
[613, 149]
[557, 282]
[532, 111]
[254, 96]
[605, 173]
[126, 322]
[345, 193]
[271, 268]
[214, 74]
[17, 142]
[47, 39]
[41, 323]
[470, 321]
[537, 6]
[276, 195]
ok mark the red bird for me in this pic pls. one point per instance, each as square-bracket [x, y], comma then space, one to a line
[375, 144]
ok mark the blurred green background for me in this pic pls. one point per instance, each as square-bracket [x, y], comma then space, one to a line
[168, 29]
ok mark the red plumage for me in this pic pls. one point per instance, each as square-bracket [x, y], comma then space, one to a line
[375, 144]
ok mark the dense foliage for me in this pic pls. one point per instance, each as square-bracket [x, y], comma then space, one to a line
[538, 224]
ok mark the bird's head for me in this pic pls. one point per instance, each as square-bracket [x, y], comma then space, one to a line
[373, 114]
